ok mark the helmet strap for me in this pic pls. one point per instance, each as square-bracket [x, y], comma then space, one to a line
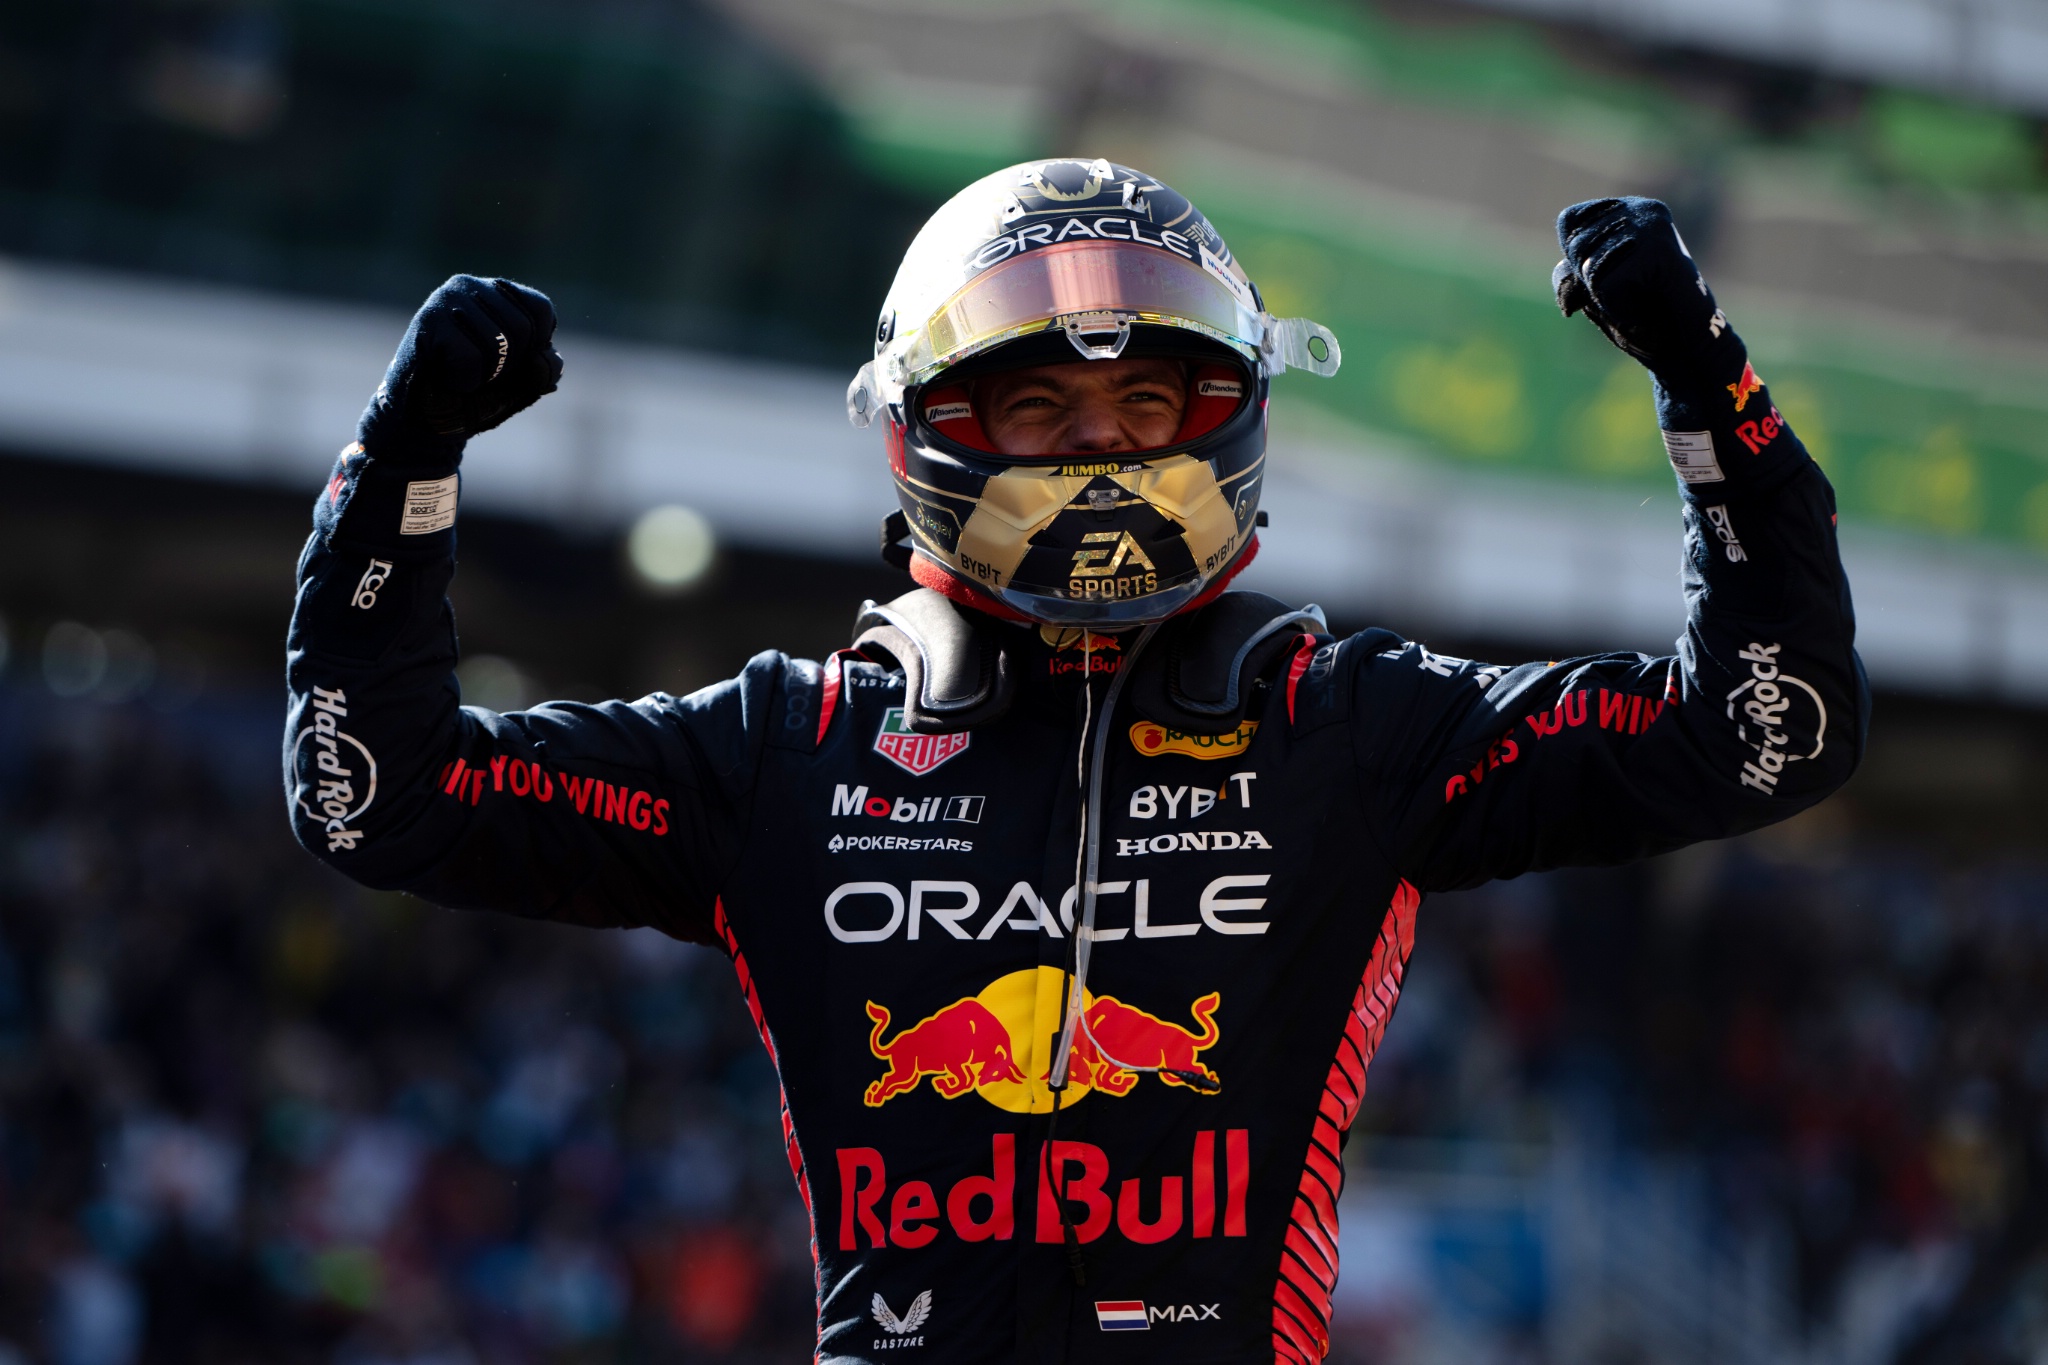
[930, 575]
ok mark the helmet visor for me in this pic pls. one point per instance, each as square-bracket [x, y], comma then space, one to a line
[1088, 287]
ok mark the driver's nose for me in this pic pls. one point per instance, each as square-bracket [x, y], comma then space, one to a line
[1096, 426]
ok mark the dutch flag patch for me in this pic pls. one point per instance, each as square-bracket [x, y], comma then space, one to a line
[1123, 1315]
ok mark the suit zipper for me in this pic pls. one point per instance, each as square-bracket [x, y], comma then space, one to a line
[1091, 856]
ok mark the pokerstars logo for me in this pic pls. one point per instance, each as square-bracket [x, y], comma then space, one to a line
[916, 754]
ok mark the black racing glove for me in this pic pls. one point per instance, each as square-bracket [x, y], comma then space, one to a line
[477, 352]
[1626, 268]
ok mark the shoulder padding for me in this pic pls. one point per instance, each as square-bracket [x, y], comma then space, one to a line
[1198, 674]
[955, 675]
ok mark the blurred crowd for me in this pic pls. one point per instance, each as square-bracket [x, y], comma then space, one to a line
[249, 1112]
[1850, 1035]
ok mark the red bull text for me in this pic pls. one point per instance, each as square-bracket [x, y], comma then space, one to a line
[980, 1208]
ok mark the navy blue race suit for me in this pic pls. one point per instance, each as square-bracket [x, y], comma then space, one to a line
[900, 907]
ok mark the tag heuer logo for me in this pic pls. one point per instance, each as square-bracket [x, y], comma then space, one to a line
[914, 753]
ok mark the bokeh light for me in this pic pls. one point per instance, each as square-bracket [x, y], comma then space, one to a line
[670, 547]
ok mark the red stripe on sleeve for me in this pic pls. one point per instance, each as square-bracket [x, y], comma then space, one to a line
[1308, 1258]
[723, 927]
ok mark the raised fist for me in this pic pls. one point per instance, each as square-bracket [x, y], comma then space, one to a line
[1627, 269]
[477, 351]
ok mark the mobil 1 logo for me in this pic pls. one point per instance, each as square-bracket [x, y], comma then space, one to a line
[904, 810]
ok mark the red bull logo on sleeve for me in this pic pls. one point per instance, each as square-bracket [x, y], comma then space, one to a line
[1742, 388]
[999, 1043]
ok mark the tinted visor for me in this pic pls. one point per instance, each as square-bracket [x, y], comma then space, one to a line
[1091, 288]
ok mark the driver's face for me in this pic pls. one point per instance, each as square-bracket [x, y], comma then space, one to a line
[1086, 406]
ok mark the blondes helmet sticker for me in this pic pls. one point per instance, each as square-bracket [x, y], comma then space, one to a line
[914, 753]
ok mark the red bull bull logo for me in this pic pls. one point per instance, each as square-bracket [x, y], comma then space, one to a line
[1745, 386]
[1078, 637]
[960, 1047]
[1135, 1038]
[999, 1045]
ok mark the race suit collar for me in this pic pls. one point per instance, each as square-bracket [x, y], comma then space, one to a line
[964, 669]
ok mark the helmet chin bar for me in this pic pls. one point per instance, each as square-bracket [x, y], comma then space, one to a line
[1134, 611]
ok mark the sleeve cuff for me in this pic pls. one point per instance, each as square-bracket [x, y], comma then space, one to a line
[405, 512]
[1725, 439]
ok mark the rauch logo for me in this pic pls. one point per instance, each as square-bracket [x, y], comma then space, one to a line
[1152, 740]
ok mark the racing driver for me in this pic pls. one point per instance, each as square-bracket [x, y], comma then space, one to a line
[1074, 896]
